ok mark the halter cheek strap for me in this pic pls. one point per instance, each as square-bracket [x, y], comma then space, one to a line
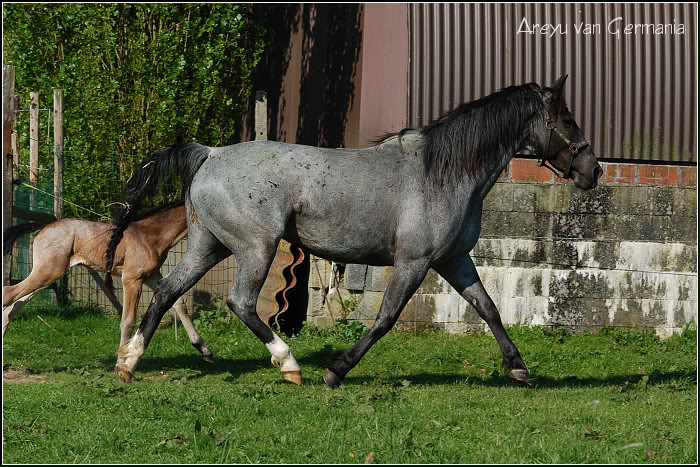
[574, 148]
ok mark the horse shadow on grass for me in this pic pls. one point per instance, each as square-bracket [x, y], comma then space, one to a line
[322, 358]
[199, 368]
[195, 365]
[536, 381]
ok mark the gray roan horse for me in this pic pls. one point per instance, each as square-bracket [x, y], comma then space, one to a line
[413, 201]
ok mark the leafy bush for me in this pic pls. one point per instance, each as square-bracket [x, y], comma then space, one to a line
[137, 77]
[686, 341]
[214, 318]
[640, 339]
[309, 329]
[350, 330]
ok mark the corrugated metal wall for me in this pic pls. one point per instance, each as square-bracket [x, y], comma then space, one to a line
[634, 95]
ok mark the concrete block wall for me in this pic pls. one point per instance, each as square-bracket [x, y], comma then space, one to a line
[624, 254]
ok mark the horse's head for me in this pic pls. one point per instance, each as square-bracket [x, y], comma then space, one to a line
[560, 142]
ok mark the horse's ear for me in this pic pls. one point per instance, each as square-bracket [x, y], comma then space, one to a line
[558, 85]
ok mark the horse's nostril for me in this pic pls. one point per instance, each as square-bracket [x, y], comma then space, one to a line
[597, 173]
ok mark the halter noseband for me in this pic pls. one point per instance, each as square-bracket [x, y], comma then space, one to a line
[574, 148]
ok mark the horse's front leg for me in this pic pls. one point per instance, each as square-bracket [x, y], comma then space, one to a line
[132, 295]
[461, 274]
[404, 281]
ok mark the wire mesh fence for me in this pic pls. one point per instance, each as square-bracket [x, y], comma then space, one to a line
[85, 198]
[85, 285]
[93, 180]
[26, 196]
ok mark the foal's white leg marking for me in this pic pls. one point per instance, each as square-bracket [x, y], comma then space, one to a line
[129, 355]
[282, 355]
[9, 313]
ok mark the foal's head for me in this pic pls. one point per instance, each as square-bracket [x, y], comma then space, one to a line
[560, 142]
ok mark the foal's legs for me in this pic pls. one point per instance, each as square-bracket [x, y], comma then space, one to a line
[132, 294]
[462, 275]
[9, 313]
[181, 310]
[404, 281]
[47, 268]
[204, 251]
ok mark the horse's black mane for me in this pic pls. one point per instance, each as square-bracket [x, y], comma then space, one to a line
[466, 140]
[156, 210]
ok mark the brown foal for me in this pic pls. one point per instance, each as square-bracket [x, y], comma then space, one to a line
[69, 242]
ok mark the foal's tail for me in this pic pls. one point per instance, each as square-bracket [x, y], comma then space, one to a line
[184, 159]
[11, 235]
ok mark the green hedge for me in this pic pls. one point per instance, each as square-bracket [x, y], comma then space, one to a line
[137, 78]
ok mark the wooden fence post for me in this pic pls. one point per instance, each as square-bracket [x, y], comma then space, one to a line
[15, 137]
[261, 116]
[8, 113]
[58, 153]
[33, 146]
[15, 172]
[62, 293]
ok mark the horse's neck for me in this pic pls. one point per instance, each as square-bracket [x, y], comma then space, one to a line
[168, 227]
[494, 174]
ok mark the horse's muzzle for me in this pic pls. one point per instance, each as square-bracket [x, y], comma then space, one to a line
[588, 181]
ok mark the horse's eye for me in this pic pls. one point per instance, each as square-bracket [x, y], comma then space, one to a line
[568, 122]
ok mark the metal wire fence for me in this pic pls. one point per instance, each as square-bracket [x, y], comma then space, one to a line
[26, 197]
[92, 189]
[85, 285]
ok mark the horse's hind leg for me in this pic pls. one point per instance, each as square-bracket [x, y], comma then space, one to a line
[43, 274]
[46, 270]
[253, 264]
[204, 251]
[9, 313]
[462, 275]
[181, 310]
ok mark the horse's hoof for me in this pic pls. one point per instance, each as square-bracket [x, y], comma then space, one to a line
[520, 375]
[124, 375]
[293, 377]
[331, 379]
[204, 350]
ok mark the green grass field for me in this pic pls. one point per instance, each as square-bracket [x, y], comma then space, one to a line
[616, 397]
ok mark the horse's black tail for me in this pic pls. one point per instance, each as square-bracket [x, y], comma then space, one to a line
[185, 159]
[11, 235]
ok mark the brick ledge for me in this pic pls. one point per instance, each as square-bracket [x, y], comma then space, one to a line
[614, 173]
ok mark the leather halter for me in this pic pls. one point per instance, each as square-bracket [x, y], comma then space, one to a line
[574, 148]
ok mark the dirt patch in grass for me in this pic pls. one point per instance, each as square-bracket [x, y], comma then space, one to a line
[18, 376]
[157, 376]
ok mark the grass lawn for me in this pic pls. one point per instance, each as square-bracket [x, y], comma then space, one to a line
[615, 397]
